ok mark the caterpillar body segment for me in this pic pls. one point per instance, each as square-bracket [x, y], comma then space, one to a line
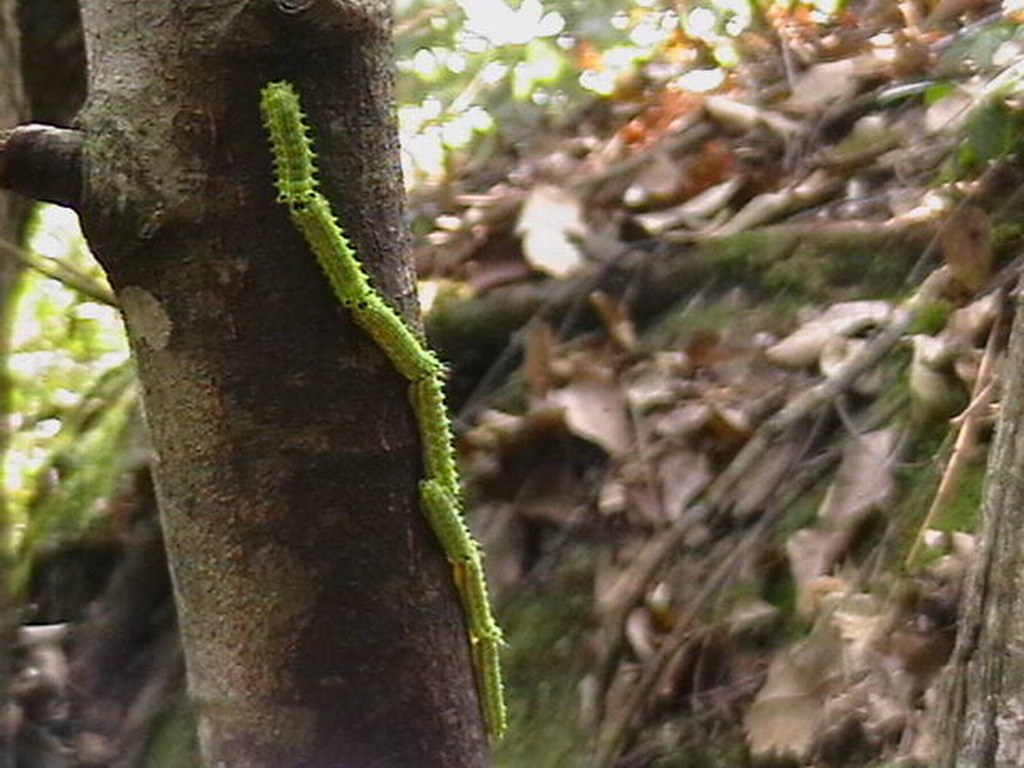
[402, 347]
[443, 516]
[491, 686]
[294, 161]
[315, 221]
[428, 405]
[482, 625]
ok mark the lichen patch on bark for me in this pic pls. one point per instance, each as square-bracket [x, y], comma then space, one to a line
[147, 321]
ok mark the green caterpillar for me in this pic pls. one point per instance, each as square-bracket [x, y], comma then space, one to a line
[310, 211]
[289, 137]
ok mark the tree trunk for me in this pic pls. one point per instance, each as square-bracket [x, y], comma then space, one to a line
[318, 616]
[981, 724]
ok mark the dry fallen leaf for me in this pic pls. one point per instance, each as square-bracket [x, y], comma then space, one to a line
[863, 484]
[934, 390]
[803, 347]
[744, 117]
[753, 490]
[549, 220]
[837, 354]
[683, 473]
[969, 325]
[871, 135]
[966, 244]
[659, 181]
[840, 675]
[698, 212]
[811, 553]
[538, 356]
[658, 382]
[770, 206]
[639, 633]
[861, 622]
[947, 10]
[823, 84]
[594, 406]
[682, 422]
[786, 715]
[753, 618]
[614, 315]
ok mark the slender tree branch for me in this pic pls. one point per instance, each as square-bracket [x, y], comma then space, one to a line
[61, 272]
[42, 162]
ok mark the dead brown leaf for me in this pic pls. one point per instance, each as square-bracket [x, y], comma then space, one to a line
[863, 484]
[683, 473]
[538, 356]
[615, 317]
[594, 407]
[658, 382]
[966, 244]
[803, 347]
[661, 180]
[549, 221]
[786, 715]
[823, 84]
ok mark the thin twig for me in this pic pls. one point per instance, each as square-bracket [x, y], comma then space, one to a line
[806, 403]
[617, 726]
[968, 424]
[62, 273]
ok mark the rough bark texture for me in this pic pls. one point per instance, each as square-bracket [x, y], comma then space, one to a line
[318, 617]
[982, 722]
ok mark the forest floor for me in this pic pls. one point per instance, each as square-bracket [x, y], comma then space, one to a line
[725, 368]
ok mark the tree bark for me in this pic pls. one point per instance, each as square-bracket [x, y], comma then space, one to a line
[318, 616]
[981, 722]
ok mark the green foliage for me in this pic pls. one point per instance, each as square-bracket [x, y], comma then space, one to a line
[931, 317]
[779, 262]
[993, 131]
[816, 270]
[73, 400]
[964, 511]
[172, 742]
[477, 69]
[725, 750]
[977, 51]
[544, 668]
[990, 123]
[479, 74]
[1007, 233]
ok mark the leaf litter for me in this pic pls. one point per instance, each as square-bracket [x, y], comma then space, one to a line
[735, 360]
